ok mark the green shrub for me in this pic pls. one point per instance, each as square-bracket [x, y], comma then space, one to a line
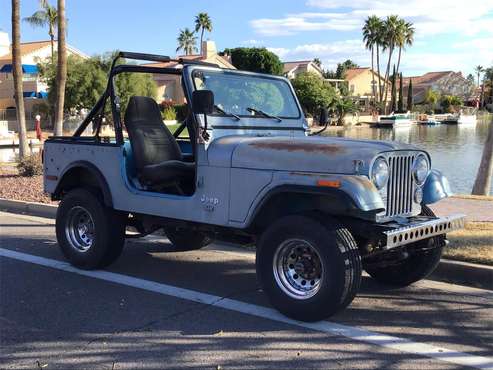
[30, 166]
[169, 114]
[313, 93]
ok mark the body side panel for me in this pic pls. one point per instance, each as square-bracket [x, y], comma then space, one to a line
[209, 204]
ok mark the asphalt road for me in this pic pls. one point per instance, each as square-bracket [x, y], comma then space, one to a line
[202, 309]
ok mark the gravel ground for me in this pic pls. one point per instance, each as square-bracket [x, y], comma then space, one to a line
[30, 189]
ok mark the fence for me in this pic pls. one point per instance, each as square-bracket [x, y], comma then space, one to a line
[11, 115]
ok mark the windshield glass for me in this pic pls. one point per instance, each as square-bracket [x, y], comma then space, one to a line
[246, 95]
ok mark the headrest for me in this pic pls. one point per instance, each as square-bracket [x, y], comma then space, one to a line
[143, 108]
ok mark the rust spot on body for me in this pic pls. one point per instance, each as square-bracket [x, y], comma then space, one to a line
[293, 146]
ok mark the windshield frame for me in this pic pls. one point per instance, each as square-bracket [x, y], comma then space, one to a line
[248, 75]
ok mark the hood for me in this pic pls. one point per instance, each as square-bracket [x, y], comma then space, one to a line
[320, 154]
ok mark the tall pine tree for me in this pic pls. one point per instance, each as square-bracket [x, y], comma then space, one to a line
[410, 96]
[393, 96]
[400, 105]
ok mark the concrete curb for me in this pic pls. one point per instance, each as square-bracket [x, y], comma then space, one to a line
[29, 208]
[456, 272]
[464, 273]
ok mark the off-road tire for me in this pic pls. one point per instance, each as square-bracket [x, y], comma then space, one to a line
[186, 240]
[337, 250]
[414, 268]
[109, 230]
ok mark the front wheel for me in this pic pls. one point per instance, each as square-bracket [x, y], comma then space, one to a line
[309, 268]
[89, 234]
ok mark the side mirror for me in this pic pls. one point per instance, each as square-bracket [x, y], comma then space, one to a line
[203, 102]
[324, 117]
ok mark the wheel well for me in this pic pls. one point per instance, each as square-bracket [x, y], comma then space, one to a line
[289, 203]
[87, 177]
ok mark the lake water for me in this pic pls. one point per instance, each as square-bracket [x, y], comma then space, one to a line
[455, 150]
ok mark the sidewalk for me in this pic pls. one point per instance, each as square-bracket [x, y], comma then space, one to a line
[476, 210]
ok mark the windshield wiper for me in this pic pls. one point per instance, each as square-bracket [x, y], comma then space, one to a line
[222, 111]
[262, 113]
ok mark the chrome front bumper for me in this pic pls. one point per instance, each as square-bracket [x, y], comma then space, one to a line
[423, 230]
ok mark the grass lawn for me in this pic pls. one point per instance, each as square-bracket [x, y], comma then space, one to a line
[473, 197]
[173, 128]
[472, 244]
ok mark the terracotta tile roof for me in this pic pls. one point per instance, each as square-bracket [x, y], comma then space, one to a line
[353, 72]
[288, 66]
[31, 47]
[218, 59]
[427, 78]
[172, 64]
[27, 48]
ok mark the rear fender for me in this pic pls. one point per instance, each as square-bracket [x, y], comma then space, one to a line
[83, 173]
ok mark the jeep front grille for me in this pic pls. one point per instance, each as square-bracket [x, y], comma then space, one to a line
[400, 189]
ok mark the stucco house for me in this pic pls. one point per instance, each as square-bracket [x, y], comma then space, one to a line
[360, 85]
[35, 90]
[292, 69]
[169, 86]
[443, 82]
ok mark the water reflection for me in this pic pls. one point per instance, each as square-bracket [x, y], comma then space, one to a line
[455, 149]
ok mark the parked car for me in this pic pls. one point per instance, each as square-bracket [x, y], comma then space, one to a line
[318, 209]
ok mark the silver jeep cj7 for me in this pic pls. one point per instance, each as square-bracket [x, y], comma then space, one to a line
[318, 209]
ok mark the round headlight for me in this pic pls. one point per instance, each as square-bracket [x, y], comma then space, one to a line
[420, 169]
[380, 172]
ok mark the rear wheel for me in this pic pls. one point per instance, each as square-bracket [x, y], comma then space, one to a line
[89, 234]
[186, 240]
[424, 258]
[308, 268]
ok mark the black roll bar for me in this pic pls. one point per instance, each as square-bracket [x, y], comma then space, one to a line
[110, 89]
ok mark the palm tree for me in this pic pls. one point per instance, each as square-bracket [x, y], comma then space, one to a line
[482, 184]
[370, 30]
[46, 16]
[202, 22]
[17, 71]
[478, 70]
[187, 41]
[380, 37]
[61, 75]
[405, 37]
[391, 27]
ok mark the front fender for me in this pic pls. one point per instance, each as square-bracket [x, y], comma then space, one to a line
[357, 193]
[436, 188]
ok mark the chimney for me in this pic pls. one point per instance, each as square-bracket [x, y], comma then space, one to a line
[208, 49]
[4, 43]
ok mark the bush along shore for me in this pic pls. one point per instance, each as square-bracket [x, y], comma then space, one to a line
[473, 244]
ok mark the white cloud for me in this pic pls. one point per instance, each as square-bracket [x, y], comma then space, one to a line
[330, 53]
[294, 24]
[253, 42]
[469, 23]
[413, 62]
[481, 43]
[431, 17]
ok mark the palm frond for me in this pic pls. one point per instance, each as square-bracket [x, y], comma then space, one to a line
[38, 19]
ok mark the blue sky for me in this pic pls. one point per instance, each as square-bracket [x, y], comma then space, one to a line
[450, 34]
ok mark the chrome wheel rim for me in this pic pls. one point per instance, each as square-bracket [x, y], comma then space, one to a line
[298, 268]
[79, 229]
